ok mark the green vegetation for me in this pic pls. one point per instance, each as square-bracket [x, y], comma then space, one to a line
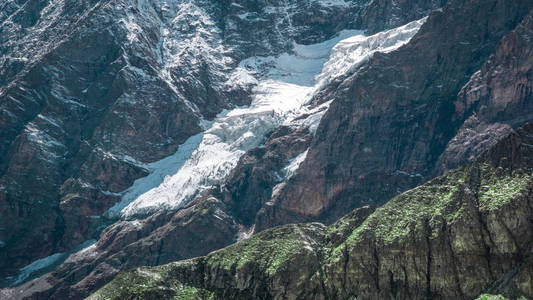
[410, 211]
[491, 297]
[184, 292]
[150, 283]
[270, 251]
[497, 191]
[422, 210]
[414, 215]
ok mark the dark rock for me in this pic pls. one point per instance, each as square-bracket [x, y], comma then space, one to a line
[500, 96]
[460, 235]
[250, 184]
[393, 118]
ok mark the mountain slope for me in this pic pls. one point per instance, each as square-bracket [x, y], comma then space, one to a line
[206, 121]
[205, 223]
[455, 237]
[392, 119]
[93, 92]
[99, 95]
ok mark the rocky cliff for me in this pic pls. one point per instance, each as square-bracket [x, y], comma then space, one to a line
[409, 115]
[144, 132]
[92, 92]
[458, 236]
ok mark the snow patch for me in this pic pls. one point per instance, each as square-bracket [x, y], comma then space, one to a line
[35, 266]
[294, 164]
[245, 232]
[350, 53]
[46, 264]
[85, 250]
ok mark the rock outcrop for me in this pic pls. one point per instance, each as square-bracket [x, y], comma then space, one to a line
[458, 236]
[409, 115]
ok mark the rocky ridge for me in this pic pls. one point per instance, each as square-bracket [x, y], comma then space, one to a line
[458, 236]
[409, 115]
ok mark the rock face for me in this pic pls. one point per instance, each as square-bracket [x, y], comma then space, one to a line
[251, 183]
[383, 14]
[81, 117]
[456, 237]
[499, 95]
[92, 92]
[113, 86]
[414, 113]
[452, 238]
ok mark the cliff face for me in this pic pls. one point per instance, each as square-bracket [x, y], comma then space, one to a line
[456, 237]
[96, 95]
[499, 95]
[92, 93]
[413, 113]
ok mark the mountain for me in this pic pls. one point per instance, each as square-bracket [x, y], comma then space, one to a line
[142, 132]
[455, 237]
[400, 120]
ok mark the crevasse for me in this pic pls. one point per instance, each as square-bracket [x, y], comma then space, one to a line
[284, 86]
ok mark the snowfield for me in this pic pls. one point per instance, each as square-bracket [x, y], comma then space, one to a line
[283, 88]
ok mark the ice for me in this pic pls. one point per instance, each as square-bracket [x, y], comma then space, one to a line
[160, 171]
[245, 232]
[36, 266]
[46, 264]
[333, 3]
[283, 88]
[348, 54]
[294, 164]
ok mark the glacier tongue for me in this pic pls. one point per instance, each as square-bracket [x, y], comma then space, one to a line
[284, 86]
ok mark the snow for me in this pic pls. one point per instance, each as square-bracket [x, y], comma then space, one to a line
[45, 264]
[177, 35]
[161, 172]
[36, 266]
[294, 164]
[283, 89]
[352, 52]
[84, 250]
[245, 232]
[44, 141]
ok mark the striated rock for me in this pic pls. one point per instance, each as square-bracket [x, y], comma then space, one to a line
[383, 14]
[499, 95]
[251, 183]
[452, 238]
[392, 119]
[456, 237]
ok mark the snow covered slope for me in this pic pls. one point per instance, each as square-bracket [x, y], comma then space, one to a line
[284, 86]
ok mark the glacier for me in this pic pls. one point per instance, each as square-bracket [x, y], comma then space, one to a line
[45, 264]
[283, 89]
